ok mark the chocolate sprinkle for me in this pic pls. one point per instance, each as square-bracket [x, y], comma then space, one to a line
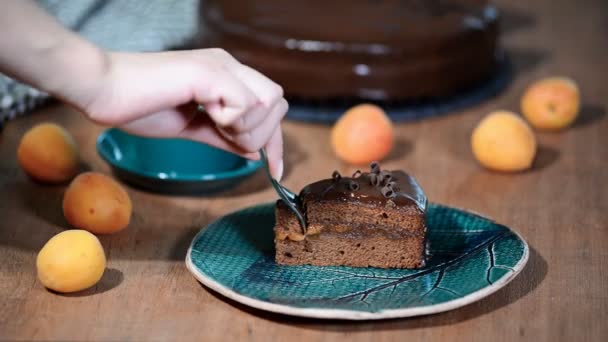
[336, 176]
[393, 185]
[375, 179]
[387, 192]
[353, 186]
[372, 178]
[385, 177]
[375, 167]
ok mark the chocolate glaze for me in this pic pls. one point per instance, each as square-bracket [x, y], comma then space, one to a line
[407, 192]
[391, 49]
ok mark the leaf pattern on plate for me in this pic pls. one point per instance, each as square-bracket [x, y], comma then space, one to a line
[467, 253]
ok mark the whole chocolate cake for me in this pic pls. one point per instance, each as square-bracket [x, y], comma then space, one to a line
[370, 49]
[373, 219]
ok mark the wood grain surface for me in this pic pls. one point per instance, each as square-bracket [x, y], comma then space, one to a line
[560, 207]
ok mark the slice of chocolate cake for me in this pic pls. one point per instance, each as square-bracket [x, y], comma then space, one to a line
[372, 219]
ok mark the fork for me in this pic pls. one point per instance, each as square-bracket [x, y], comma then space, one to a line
[288, 197]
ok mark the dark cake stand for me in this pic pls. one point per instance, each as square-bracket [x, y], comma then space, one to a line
[329, 111]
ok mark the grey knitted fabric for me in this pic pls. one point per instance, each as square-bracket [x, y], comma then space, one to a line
[124, 25]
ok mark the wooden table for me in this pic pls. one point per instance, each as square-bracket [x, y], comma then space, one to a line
[560, 207]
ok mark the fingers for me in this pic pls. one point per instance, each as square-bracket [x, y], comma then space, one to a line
[274, 149]
[244, 107]
[268, 92]
[238, 95]
[249, 120]
[225, 98]
[201, 129]
[166, 123]
[186, 123]
[258, 137]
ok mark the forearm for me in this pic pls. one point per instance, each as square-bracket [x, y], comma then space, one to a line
[39, 51]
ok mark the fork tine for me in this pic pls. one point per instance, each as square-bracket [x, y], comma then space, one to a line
[288, 197]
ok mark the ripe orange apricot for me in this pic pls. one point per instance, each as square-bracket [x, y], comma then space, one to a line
[362, 135]
[71, 261]
[551, 103]
[503, 141]
[48, 153]
[97, 203]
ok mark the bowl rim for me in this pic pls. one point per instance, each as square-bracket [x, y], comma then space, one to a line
[249, 166]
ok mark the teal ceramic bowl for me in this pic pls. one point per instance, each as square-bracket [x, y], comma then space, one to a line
[170, 165]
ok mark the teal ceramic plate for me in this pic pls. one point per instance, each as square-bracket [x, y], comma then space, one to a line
[471, 258]
[176, 166]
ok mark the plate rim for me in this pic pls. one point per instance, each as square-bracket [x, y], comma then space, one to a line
[249, 167]
[341, 314]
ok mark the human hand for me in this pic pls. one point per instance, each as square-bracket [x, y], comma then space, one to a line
[152, 94]
[156, 94]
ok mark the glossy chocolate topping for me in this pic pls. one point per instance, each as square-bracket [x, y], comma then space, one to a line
[390, 49]
[405, 190]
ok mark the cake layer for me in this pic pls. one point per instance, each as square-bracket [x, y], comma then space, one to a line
[350, 220]
[338, 249]
[392, 49]
[397, 219]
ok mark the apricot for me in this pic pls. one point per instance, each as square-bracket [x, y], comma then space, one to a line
[71, 261]
[97, 203]
[503, 141]
[551, 103]
[48, 153]
[363, 134]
